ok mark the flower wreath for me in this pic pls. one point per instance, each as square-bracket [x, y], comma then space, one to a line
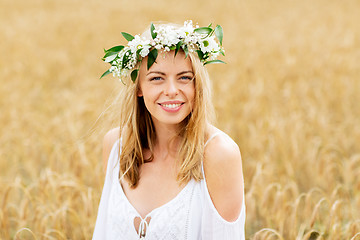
[201, 40]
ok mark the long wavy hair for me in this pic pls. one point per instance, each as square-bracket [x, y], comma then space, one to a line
[137, 130]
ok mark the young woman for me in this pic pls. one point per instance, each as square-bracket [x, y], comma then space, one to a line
[170, 174]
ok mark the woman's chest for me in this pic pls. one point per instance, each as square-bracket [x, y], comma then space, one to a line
[169, 219]
[157, 185]
[155, 188]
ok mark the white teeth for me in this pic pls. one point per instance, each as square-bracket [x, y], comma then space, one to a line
[171, 105]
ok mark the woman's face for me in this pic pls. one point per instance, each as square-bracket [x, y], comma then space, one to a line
[168, 87]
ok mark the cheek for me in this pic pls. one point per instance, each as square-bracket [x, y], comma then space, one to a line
[147, 101]
[191, 92]
[149, 105]
[150, 95]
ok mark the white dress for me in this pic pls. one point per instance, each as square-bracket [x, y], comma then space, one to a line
[191, 215]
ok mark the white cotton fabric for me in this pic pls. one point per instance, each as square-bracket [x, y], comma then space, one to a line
[191, 215]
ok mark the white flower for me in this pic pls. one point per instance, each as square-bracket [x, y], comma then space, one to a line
[214, 55]
[123, 73]
[132, 61]
[209, 45]
[137, 43]
[145, 51]
[167, 36]
[188, 28]
[158, 46]
[191, 39]
[112, 68]
[122, 53]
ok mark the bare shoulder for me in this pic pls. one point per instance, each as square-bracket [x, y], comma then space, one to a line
[108, 142]
[224, 176]
[222, 144]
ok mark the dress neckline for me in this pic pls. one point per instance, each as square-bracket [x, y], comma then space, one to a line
[181, 192]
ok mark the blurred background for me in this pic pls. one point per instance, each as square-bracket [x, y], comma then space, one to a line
[289, 96]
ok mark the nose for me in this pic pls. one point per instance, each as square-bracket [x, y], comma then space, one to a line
[171, 88]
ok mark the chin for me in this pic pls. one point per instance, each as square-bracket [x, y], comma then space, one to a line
[172, 120]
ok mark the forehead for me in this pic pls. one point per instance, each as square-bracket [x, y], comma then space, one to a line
[167, 62]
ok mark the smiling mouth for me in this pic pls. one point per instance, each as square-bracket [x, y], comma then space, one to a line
[171, 105]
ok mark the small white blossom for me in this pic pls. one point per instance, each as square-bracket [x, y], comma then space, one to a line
[214, 55]
[167, 36]
[145, 51]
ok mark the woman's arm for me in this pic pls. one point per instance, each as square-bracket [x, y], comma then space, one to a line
[108, 142]
[224, 176]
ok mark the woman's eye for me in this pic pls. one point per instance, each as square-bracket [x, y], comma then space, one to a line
[186, 78]
[155, 78]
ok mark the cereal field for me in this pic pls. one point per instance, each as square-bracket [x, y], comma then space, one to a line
[289, 95]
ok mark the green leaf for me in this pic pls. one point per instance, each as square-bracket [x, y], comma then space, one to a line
[205, 56]
[134, 74]
[210, 25]
[127, 36]
[186, 50]
[203, 30]
[152, 57]
[178, 45]
[105, 73]
[125, 59]
[110, 58]
[214, 61]
[108, 54]
[138, 53]
[222, 52]
[219, 33]
[115, 49]
[200, 54]
[153, 34]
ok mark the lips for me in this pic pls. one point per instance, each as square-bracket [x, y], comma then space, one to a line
[171, 106]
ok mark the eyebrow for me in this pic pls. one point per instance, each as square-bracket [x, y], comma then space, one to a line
[161, 73]
[183, 72]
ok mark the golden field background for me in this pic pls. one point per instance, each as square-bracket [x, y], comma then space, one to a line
[289, 96]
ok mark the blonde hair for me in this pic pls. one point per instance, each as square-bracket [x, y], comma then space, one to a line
[140, 133]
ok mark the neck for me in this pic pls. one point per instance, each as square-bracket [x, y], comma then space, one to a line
[166, 138]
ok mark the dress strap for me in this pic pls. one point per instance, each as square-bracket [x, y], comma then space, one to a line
[211, 137]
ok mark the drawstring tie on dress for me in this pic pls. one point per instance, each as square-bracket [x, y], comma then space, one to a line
[143, 228]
